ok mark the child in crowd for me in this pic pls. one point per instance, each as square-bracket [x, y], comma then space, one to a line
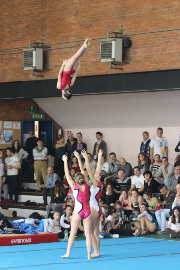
[174, 223]
[65, 220]
[103, 231]
[152, 201]
[118, 207]
[55, 225]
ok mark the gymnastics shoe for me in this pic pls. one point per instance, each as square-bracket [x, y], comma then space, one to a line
[115, 235]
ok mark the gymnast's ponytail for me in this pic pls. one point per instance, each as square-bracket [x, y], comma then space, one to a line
[80, 178]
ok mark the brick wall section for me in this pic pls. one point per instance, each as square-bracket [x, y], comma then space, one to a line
[54, 21]
[18, 109]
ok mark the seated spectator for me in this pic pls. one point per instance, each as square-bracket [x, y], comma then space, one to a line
[174, 223]
[125, 166]
[55, 225]
[65, 220]
[70, 145]
[133, 217]
[137, 181]
[100, 144]
[92, 163]
[146, 222]
[102, 229]
[118, 207]
[109, 198]
[150, 183]
[165, 171]
[113, 165]
[177, 197]
[60, 194]
[122, 181]
[172, 181]
[50, 185]
[143, 162]
[4, 223]
[104, 164]
[114, 222]
[154, 167]
[144, 147]
[153, 203]
[80, 145]
[74, 164]
[125, 199]
[72, 174]
[1, 172]
[162, 214]
[136, 199]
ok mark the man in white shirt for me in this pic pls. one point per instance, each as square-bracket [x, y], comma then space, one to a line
[40, 163]
[137, 181]
[12, 164]
[158, 145]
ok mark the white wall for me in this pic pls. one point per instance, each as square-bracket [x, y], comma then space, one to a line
[125, 142]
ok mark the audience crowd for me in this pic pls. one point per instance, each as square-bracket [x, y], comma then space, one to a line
[134, 201]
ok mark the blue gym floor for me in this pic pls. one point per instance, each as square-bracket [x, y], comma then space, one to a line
[121, 253]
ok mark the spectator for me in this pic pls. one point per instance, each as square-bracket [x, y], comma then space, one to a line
[165, 171]
[70, 145]
[172, 181]
[113, 165]
[12, 164]
[125, 199]
[65, 220]
[136, 199]
[144, 147]
[1, 172]
[158, 145]
[92, 163]
[103, 231]
[162, 214]
[109, 198]
[120, 212]
[74, 164]
[177, 160]
[55, 225]
[150, 183]
[60, 149]
[40, 163]
[146, 222]
[174, 223]
[125, 166]
[19, 152]
[100, 144]
[80, 145]
[30, 144]
[137, 181]
[155, 166]
[104, 164]
[177, 197]
[122, 181]
[50, 185]
[143, 162]
[60, 194]
[152, 201]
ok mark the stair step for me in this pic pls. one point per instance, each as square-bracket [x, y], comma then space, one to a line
[35, 197]
[26, 212]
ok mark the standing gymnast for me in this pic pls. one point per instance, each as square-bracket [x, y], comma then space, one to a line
[82, 209]
[96, 192]
[68, 68]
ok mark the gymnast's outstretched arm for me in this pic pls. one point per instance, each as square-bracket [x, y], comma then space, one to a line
[81, 166]
[68, 177]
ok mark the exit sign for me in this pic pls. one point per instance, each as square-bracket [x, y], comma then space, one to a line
[31, 109]
[38, 116]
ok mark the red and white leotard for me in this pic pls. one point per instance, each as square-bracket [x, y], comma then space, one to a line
[94, 198]
[65, 78]
[82, 201]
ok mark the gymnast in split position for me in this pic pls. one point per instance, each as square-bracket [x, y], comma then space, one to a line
[96, 192]
[69, 67]
[82, 209]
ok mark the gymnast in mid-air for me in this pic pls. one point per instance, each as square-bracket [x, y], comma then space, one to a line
[69, 67]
